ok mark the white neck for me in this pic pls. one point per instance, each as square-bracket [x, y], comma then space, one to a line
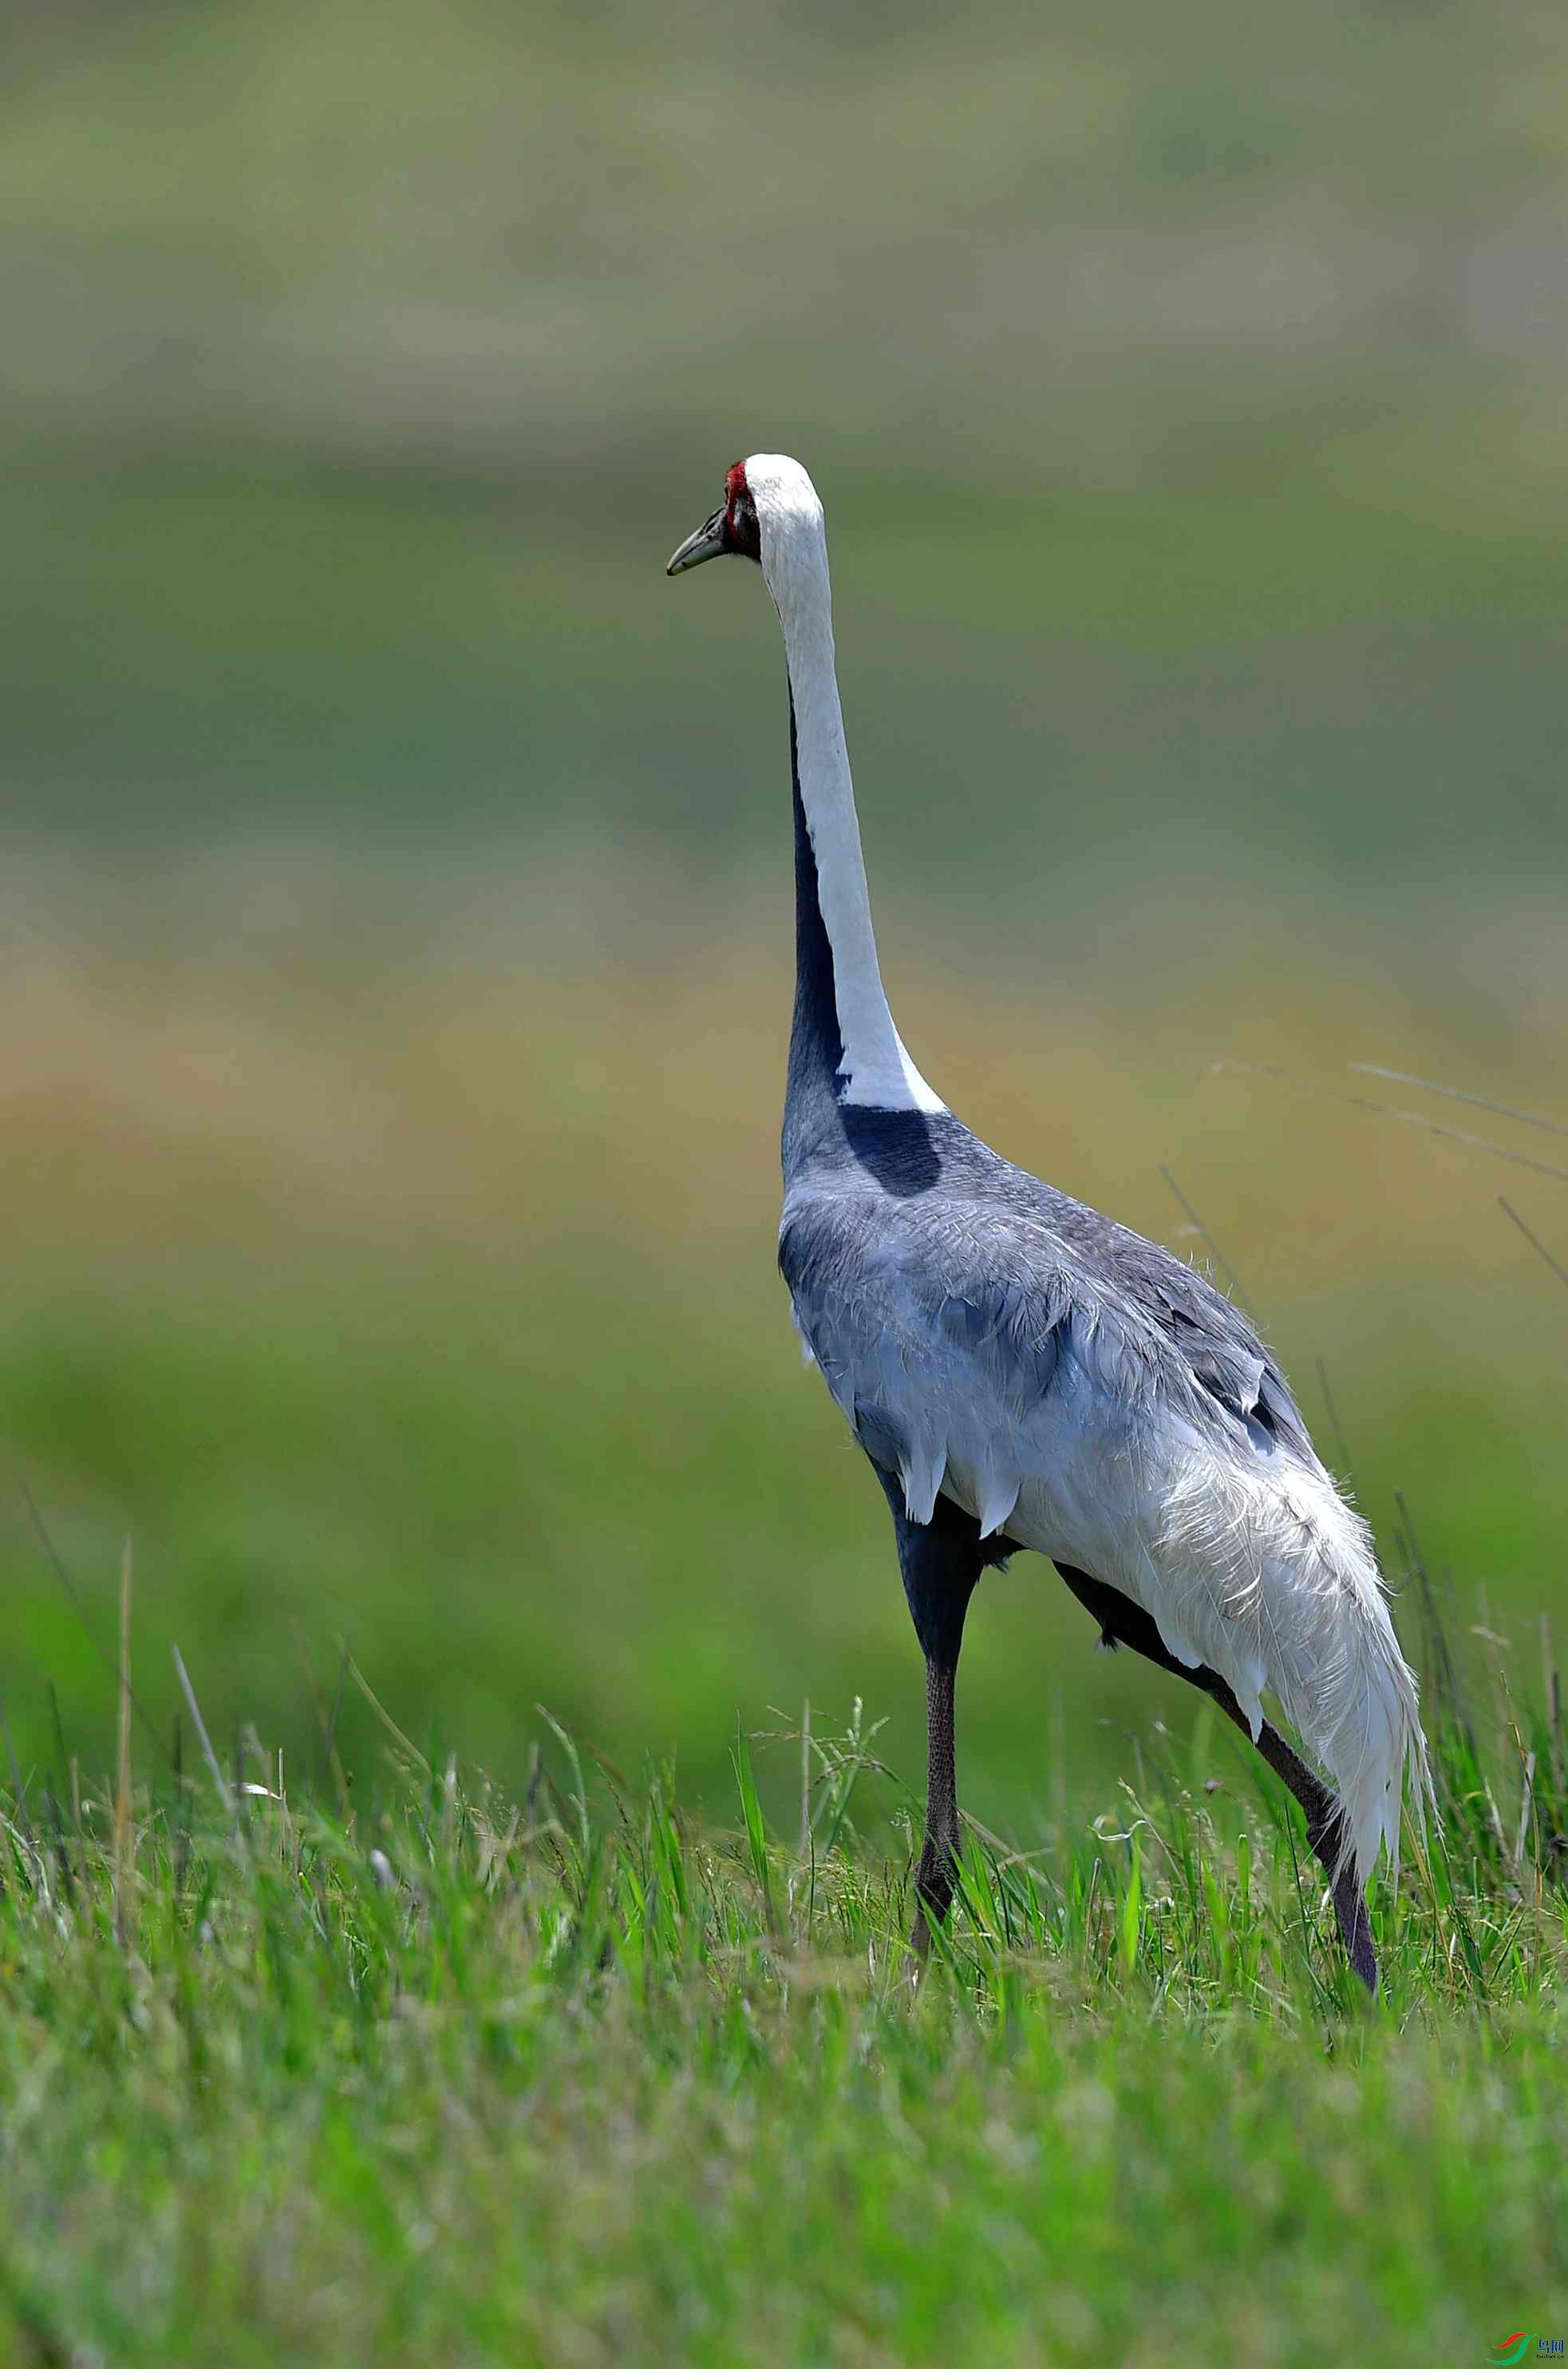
[877, 1072]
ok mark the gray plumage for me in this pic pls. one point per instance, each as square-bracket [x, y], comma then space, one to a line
[988, 1273]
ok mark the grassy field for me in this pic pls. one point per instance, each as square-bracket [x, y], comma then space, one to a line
[572, 2078]
[603, 2059]
[394, 974]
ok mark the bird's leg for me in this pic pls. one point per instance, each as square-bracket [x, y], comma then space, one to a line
[941, 1561]
[1125, 1623]
[1325, 1834]
[937, 1872]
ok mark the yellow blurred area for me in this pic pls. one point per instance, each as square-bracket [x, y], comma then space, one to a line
[484, 1065]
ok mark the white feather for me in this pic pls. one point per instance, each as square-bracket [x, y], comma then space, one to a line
[921, 1472]
[996, 1496]
[879, 1073]
[1250, 1564]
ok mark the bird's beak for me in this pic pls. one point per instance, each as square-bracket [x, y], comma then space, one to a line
[706, 543]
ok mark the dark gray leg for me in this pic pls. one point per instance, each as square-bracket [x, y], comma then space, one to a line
[1325, 1833]
[1123, 1622]
[940, 1561]
[937, 1872]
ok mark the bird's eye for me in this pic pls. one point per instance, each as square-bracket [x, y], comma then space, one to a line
[741, 529]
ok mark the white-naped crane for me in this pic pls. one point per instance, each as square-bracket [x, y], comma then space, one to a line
[1022, 1372]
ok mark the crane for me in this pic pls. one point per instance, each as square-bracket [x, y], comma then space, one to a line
[1024, 1373]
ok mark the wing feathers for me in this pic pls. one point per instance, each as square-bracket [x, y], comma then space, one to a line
[1130, 1424]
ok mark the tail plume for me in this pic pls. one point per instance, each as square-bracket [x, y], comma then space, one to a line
[1276, 1583]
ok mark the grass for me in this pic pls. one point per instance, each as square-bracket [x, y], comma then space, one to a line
[451, 2075]
[500, 2059]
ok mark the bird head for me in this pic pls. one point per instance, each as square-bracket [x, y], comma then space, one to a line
[733, 528]
[768, 501]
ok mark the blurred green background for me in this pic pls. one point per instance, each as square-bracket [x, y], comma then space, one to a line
[396, 902]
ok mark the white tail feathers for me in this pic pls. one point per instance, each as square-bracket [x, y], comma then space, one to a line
[1264, 1572]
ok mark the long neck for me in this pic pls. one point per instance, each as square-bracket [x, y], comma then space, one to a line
[844, 1049]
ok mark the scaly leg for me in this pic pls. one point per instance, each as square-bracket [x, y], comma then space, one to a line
[937, 1872]
[940, 1561]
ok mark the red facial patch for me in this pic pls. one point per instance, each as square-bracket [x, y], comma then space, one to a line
[741, 533]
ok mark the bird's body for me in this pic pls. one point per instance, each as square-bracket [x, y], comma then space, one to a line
[1024, 1373]
[1082, 1394]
